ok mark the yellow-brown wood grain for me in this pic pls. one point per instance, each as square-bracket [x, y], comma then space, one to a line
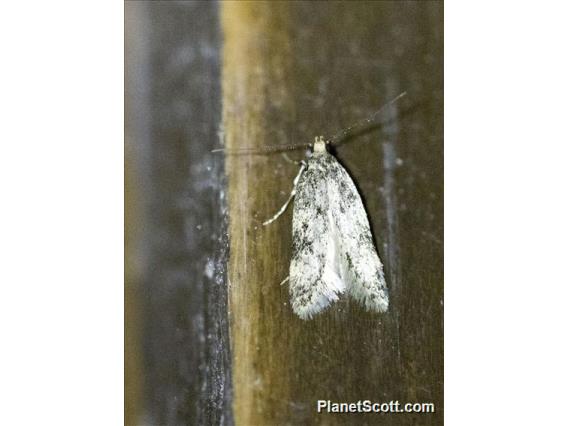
[252, 83]
[292, 71]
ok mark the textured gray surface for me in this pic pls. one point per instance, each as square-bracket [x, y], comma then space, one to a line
[183, 306]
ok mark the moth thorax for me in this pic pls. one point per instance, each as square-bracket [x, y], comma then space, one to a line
[319, 144]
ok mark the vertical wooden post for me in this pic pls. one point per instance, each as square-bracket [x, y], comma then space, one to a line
[292, 71]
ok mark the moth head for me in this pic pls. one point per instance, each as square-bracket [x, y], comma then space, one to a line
[319, 144]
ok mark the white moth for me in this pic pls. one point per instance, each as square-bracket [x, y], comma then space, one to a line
[332, 247]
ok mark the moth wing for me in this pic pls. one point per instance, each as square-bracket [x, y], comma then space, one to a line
[315, 280]
[360, 266]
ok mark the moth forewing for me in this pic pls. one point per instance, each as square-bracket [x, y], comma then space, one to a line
[315, 279]
[332, 249]
[362, 269]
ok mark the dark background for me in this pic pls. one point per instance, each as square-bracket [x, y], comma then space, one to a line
[178, 307]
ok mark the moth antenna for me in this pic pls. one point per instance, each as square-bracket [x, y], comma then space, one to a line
[344, 132]
[272, 148]
[339, 135]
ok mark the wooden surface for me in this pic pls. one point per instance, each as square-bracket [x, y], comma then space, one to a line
[260, 74]
[176, 302]
[292, 71]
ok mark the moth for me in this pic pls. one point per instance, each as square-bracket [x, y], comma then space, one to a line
[332, 246]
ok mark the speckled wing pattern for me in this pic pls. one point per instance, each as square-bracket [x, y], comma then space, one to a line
[333, 250]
